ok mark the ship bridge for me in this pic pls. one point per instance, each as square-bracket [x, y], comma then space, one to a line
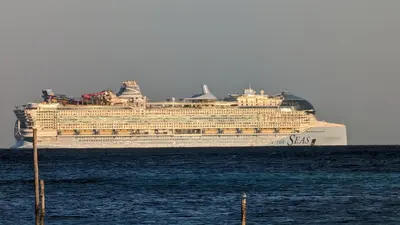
[290, 100]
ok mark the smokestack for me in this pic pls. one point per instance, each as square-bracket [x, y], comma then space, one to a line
[205, 89]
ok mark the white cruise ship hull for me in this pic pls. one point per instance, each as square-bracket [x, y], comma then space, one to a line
[326, 135]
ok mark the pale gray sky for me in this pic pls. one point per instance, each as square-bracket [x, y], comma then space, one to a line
[344, 56]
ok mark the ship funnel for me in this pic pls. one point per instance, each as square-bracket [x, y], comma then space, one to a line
[205, 89]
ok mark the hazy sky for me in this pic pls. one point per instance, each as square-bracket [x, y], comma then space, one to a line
[344, 56]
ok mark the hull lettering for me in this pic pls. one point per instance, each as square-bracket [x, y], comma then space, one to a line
[299, 140]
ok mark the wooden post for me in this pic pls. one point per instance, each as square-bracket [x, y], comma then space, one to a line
[244, 209]
[42, 202]
[36, 169]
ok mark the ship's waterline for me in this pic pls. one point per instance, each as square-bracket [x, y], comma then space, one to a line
[105, 120]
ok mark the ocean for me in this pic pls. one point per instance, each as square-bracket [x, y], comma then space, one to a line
[295, 185]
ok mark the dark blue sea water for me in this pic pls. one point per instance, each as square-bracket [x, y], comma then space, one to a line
[318, 185]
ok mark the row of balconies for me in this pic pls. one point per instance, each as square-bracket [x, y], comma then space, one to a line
[122, 129]
[169, 111]
[125, 132]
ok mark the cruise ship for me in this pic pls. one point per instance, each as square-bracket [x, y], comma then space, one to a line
[127, 119]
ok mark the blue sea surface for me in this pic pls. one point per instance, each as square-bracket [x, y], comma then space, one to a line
[295, 185]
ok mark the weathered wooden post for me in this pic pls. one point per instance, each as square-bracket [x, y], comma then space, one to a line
[42, 202]
[244, 208]
[36, 169]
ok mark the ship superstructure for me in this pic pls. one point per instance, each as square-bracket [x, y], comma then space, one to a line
[128, 119]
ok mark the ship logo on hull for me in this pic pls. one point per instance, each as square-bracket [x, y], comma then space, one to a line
[299, 140]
